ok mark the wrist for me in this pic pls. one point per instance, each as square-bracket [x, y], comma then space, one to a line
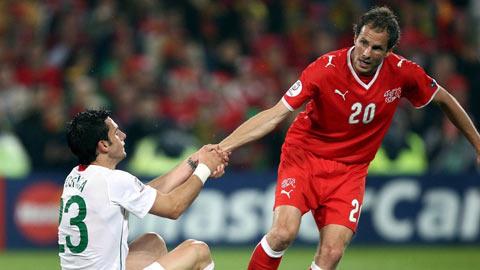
[202, 172]
[193, 164]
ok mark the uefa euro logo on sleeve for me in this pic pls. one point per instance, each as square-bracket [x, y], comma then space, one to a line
[295, 89]
[139, 184]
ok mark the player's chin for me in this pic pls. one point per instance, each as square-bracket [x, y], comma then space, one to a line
[363, 67]
[367, 70]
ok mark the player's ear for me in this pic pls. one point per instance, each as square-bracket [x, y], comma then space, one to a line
[102, 146]
[389, 51]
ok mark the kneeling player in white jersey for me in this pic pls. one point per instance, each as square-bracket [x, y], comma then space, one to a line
[97, 199]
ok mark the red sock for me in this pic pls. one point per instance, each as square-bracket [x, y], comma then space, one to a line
[264, 258]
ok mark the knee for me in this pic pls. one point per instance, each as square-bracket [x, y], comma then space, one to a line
[281, 237]
[154, 238]
[156, 243]
[331, 253]
[201, 251]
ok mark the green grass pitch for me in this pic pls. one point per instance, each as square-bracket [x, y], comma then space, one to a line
[297, 258]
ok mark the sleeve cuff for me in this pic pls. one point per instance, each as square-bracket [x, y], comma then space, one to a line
[150, 194]
[430, 100]
[284, 101]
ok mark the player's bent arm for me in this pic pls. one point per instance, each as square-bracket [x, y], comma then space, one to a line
[255, 127]
[174, 203]
[167, 182]
[458, 116]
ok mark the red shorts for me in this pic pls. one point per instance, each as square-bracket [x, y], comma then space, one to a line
[332, 190]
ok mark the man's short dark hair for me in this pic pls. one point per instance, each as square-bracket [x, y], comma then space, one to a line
[84, 132]
[380, 18]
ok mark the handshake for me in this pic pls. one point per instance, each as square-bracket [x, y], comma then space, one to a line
[211, 155]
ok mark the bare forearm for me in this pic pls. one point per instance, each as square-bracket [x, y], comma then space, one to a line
[185, 194]
[460, 119]
[174, 203]
[255, 127]
[251, 130]
[178, 200]
[165, 183]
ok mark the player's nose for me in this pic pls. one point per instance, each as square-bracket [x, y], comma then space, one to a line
[367, 52]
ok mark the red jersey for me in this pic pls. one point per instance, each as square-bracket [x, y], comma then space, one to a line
[345, 118]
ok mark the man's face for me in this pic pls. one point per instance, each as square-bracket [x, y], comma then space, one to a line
[117, 140]
[370, 50]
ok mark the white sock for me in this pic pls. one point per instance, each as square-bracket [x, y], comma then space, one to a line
[154, 266]
[211, 266]
[314, 266]
[270, 252]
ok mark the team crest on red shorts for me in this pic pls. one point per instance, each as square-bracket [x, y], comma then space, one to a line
[288, 182]
[288, 185]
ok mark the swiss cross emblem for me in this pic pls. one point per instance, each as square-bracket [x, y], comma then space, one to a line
[391, 95]
[288, 182]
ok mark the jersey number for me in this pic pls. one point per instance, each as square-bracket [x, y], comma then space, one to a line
[75, 221]
[368, 113]
[356, 208]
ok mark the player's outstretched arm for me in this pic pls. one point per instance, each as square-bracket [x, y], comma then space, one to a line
[174, 203]
[459, 118]
[255, 127]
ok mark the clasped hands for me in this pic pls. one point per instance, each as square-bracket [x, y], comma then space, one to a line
[214, 157]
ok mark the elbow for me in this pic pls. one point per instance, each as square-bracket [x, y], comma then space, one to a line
[170, 214]
[168, 208]
[173, 215]
[176, 211]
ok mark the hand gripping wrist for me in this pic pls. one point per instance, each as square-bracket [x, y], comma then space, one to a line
[202, 172]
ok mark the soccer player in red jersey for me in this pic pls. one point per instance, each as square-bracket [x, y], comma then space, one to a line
[351, 97]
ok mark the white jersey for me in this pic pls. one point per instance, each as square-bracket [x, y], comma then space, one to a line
[94, 208]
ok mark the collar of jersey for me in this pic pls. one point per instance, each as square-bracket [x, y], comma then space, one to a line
[366, 86]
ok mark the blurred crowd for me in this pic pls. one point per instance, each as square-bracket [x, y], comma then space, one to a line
[179, 74]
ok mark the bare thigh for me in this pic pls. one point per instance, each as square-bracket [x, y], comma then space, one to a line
[145, 250]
